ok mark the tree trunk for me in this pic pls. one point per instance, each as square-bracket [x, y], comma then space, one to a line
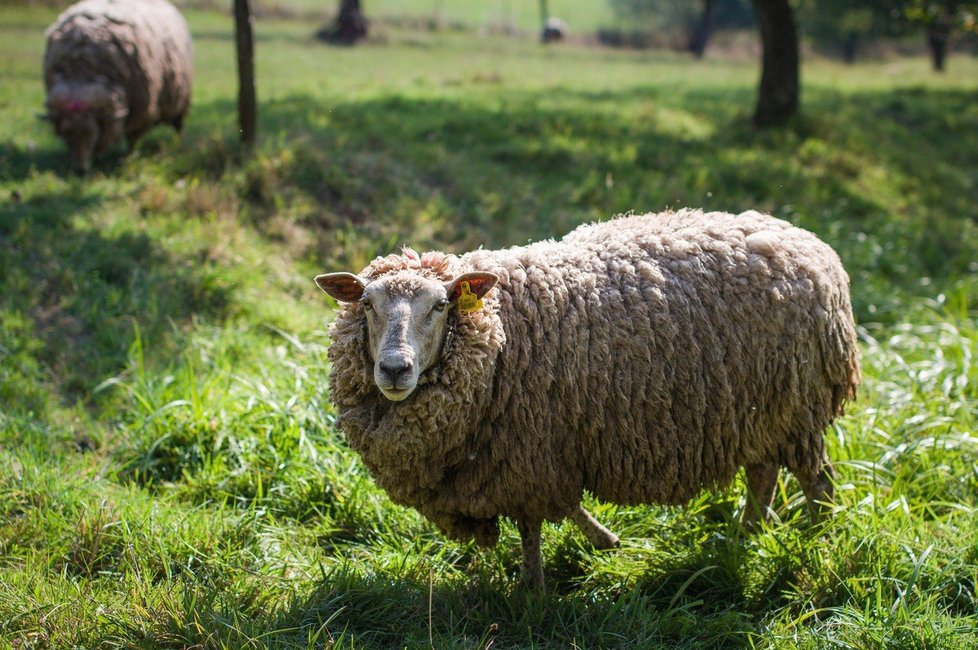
[547, 33]
[436, 15]
[849, 48]
[350, 25]
[247, 108]
[704, 29]
[777, 100]
[938, 34]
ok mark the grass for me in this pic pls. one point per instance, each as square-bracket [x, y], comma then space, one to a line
[170, 475]
[582, 16]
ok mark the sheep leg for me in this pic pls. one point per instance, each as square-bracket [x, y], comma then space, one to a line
[818, 487]
[761, 481]
[532, 559]
[597, 534]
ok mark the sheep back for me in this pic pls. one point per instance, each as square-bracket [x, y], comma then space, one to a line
[643, 359]
[140, 51]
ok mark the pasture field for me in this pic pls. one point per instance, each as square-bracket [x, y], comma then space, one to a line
[170, 476]
[582, 16]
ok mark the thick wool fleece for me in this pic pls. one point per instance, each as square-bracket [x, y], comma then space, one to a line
[643, 359]
[112, 54]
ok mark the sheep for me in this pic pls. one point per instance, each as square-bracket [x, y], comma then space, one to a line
[554, 30]
[641, 359]
[114, 69]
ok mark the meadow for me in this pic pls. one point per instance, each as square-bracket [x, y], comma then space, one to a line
[584, 16]
[170, 474]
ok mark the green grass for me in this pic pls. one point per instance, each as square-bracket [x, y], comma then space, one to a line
[170, 475]
[582, 16]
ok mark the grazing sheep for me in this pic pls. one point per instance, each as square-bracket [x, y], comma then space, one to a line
[643, 359]
[554, 30]
[114, 69]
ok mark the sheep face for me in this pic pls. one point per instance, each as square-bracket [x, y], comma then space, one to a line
[80, 131]
[89, 119]
[407, 318]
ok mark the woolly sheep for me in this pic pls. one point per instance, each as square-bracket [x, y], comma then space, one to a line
[114, 69]
[641, 359]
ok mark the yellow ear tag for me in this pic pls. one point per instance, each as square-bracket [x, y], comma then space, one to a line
[468, 302]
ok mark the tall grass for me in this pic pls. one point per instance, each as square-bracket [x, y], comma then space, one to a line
[170, 472]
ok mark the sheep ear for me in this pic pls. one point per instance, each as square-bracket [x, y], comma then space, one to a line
[343, 287]
[480, 282]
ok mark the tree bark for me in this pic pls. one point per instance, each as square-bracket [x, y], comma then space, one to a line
[938, 34]
[849, 48]
[777, 100]
[350, 25]
[247, 108]
[704, 29]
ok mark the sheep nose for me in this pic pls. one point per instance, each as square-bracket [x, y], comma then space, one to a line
[396, 369]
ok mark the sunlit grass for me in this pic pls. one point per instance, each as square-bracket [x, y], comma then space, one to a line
[170, 474]
[222, 506]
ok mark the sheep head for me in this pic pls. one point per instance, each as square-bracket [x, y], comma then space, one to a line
[88, 118]
[407, 317]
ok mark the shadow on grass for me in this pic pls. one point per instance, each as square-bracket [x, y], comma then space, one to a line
[696, 596]
[399, 611]
[86, 289]
[19, 163]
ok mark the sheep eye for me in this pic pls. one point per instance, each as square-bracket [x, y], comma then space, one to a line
[440, 305]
